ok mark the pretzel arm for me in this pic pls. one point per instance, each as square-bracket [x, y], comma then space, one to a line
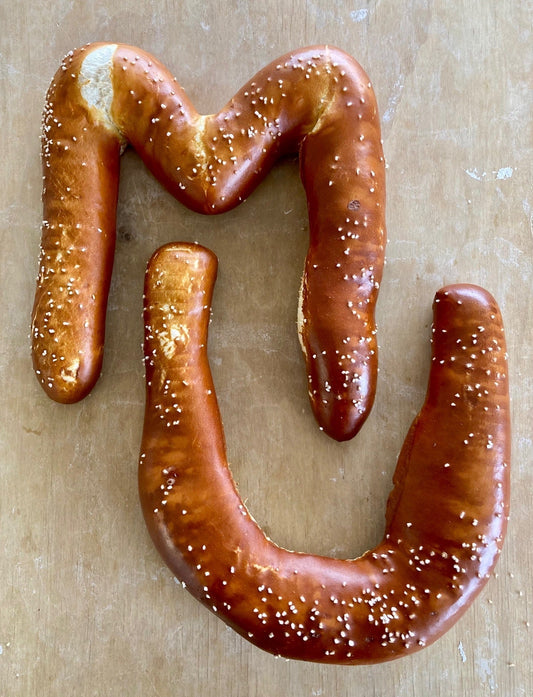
[80, 158]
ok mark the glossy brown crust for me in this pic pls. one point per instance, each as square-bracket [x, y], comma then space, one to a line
[80, 158]
[316, 101]
[446, 515]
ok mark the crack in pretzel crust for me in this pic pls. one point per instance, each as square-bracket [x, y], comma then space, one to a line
[446, 515]
[316, 101]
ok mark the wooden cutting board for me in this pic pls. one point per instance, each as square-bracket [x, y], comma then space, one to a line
[86, 605]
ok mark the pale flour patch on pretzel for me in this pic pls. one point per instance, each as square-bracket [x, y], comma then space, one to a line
[96, 82]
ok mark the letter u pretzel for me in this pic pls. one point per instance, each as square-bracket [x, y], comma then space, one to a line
[446, 515]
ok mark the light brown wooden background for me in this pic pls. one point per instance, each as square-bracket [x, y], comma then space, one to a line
[86, 606]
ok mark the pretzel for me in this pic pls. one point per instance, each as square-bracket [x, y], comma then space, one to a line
[317, 101]
[446, 515]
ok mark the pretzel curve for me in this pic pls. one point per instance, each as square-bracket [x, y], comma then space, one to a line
[317, 101]
[446, 515]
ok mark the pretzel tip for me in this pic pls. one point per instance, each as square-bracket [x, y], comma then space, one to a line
[470, 310]
[176, 255]
[179, 282]
[340, 420]
[72, 383]
[69, 367]
[467, 293]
